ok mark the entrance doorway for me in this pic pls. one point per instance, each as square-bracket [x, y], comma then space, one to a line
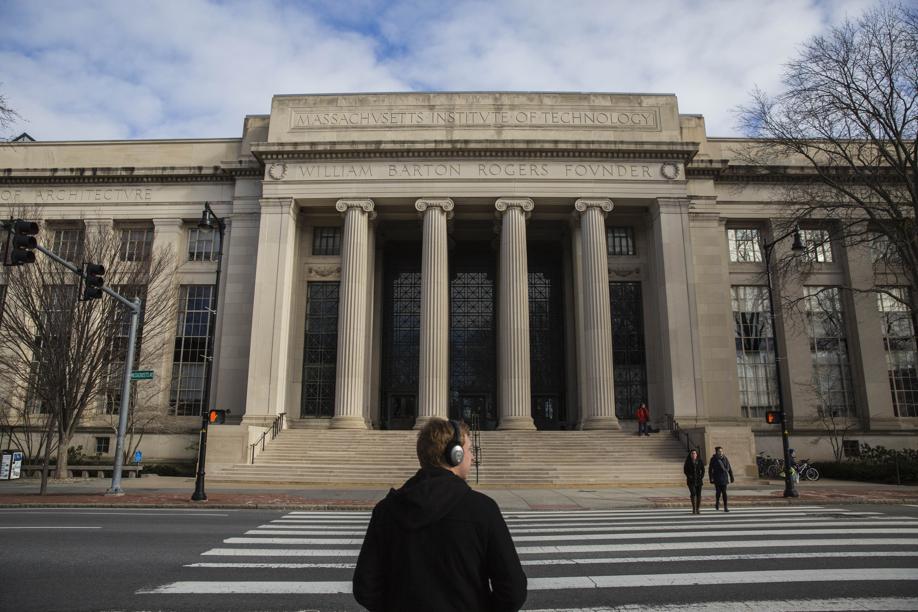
[401, 335]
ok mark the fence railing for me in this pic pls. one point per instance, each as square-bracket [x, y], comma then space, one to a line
[275, 429]
[474, 427]
[681, 435]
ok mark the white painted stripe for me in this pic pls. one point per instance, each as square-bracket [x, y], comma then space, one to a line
[687, 515]
[122, 510]
[715, 525]
[330, 513]
[319, 532]
[562, 582]
[51, 527]
[282, 552]
[275, 565]
[676, 534]
[249, 588]
[302, 541]
[669, 546]
[747, 557]
[588, 548]
[775, 605]
[663, 511]
[753, 577]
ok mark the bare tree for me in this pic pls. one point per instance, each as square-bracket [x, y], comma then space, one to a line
[7, 114]
[842, 138]
[62, 355]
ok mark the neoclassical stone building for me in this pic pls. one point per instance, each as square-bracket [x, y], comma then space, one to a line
[532, 260]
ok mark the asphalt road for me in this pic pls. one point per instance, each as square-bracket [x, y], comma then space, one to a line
[773, 558]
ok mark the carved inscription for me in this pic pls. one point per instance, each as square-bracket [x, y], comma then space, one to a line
[610, 118]
[476, 170]
[49, 196]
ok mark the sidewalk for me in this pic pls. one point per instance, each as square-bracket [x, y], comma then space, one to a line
[175, 492]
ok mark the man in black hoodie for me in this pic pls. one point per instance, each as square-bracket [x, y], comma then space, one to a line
[435, 544]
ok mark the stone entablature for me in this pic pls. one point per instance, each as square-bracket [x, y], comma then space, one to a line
[452, 116]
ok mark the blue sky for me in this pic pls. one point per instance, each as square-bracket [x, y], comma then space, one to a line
[99, 69]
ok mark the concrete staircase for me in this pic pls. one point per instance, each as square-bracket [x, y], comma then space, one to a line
[508, 458]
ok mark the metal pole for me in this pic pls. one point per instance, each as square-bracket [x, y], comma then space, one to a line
[789, 489]
[125, 401]
[199, 493]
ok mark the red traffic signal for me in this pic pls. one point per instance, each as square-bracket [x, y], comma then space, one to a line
[773, 417]
[216, 417]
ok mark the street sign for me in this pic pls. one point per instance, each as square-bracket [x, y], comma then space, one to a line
[142, 375]
[137, 456]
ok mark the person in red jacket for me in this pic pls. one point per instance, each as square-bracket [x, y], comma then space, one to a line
[643, 416]
[435, 544]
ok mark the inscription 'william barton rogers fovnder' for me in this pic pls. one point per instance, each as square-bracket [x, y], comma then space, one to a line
[473, 170]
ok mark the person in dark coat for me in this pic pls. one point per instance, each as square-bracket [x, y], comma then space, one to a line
[721, 474]
[694, 478]
[435, 544]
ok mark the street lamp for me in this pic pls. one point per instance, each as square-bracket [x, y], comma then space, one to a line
[790, 490]
[208, 220]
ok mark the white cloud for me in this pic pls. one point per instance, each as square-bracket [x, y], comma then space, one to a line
[109, 69]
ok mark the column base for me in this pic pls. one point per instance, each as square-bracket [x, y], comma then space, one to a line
[349, 422]
[609, 423]
[517, 423]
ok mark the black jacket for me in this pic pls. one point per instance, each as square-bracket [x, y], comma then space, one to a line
[719, 470]
[694, 472]
[435, 544]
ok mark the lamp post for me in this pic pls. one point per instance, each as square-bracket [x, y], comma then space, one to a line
[790, 490]
[208, 220]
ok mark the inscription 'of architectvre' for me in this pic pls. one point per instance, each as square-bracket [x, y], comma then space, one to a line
[475, 170]
[638, 118]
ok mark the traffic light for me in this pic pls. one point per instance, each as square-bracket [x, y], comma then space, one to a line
[92, 281]
[217, 417]
[20, 243]
[773, 417]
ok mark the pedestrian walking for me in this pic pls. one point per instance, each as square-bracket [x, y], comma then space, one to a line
[435, 544]
[643, 416]
[721, 474]
[694, 478]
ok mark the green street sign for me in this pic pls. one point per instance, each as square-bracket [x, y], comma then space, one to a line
[142, 375]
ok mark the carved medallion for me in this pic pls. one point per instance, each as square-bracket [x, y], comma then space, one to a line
[277, 171]
[669, 170]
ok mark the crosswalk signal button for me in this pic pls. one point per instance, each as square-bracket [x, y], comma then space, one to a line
[773, 417]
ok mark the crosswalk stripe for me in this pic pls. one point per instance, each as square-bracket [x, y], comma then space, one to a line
[660, 511]
[678, 534]
[713, 525]
[598, 560]
[707, 578]
[748, 557]
[591, 548]
[599, 536]
[648, 546]
[843, 604]
[562, 582]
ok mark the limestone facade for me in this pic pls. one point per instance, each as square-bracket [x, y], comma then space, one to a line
[505, 231]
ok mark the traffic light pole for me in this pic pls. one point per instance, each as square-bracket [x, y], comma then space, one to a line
[790, 489]
[134, 306]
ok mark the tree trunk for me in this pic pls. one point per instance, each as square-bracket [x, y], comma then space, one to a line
[44, 467]
[62, 447]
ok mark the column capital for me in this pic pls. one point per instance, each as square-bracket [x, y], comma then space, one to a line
[584, 204]
[165, 224]
[445, 204]
[277, 206]
[502, 204]
[364, 204]
[673, 205]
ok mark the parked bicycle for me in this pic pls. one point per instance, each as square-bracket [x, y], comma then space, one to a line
[767, 465]
[806, 470]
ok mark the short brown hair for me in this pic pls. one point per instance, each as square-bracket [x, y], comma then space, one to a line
[432, 441]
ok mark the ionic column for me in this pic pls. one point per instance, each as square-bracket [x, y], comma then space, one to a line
[513, 315]
[433, 378]
[599, 392]
[352, 316]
